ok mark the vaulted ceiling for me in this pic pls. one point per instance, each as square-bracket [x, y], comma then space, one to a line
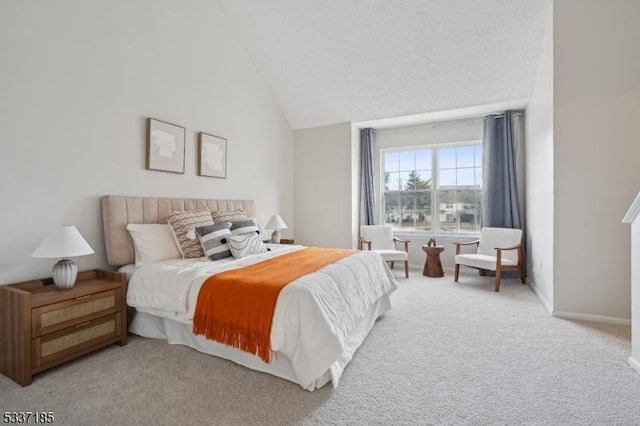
[332, 61]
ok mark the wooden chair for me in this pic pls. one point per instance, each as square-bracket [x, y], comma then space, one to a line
[381, 238]
[498, 249]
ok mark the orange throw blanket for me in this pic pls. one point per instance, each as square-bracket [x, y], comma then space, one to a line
[236, 307]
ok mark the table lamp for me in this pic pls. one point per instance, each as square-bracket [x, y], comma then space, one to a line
[65, 242]
[276, 223]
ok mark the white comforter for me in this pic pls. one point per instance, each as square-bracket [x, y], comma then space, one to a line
[313, 315]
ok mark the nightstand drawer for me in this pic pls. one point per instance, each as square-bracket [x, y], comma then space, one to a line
[74, 339]
[58, 316]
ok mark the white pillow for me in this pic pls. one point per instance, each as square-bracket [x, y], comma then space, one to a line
[245, 244]
[152, 242]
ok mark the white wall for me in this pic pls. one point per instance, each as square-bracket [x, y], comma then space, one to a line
[539, 174]
[438, 133]
[356, 172]
[632, 218]
[323, 190]
[77, 81]
[635, 294]
[596, 151]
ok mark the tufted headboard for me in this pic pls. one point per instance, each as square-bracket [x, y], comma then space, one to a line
[119, 211]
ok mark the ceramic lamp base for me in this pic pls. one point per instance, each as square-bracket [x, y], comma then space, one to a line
[65, 273]
[275, 237]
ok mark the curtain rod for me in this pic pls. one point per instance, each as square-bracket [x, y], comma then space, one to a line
[435, 124]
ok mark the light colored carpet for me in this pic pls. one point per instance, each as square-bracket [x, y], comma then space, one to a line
[447, 354]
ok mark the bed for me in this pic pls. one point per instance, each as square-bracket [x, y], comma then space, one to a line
[320, 319]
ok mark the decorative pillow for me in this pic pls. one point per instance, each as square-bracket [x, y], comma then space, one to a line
[240, 227]
[214, 240]
[229, 216]
[245, 244]
[183, 224]
[152, 242]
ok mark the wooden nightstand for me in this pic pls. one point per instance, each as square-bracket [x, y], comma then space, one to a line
[282, 241]
[41, 326]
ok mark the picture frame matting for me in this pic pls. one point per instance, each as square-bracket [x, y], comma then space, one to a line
[212, 156]
[165, 146]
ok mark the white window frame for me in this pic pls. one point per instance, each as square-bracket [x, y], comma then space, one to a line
[435, 192]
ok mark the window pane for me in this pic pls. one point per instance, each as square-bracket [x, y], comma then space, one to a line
[407, 161]
[479, 212]
[465, 177]
[391, 161]
[423, 200]
[468, 221]
[404, 180]
[446, 158]
[466, 200]
[407, 222]
[391, 201]
[425, 175]
[465, 156]
[392, 218]
[423, 220]
[423, 159]
[468, 210]
[415, 180]
[447, 211]
[478, 176]
[392, 181]
[447, 197]
[478, 161]
[447, 178]
[408, 200]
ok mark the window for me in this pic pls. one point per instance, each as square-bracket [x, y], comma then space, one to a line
[436, 189]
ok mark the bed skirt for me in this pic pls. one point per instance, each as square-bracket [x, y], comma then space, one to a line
[177, 333]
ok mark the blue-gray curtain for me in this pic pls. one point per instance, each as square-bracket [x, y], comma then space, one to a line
[501, 198]
[367, 188]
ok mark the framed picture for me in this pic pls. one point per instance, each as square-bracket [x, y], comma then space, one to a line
[212, 156]
[165, 146]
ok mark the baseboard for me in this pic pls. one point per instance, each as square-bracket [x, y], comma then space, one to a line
[589, 317]
[634, 363]
[538, 293]
[574, 315]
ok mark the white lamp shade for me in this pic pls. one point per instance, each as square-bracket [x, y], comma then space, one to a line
[65, 241]
[276, 222]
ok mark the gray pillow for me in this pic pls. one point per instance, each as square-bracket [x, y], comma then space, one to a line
[213, 239]
[240, 227]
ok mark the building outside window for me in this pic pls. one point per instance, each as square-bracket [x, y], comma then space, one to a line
[433, 189]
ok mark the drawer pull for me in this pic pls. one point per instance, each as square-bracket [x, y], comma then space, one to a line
[84, 323]
[83, 297]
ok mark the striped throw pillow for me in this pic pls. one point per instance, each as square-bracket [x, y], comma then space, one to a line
[229, 216]
[245, 244]
[213, 239]
[240, 227]
[183, 224]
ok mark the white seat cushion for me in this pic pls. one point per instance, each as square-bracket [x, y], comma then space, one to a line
[392, 255]
[482, 261]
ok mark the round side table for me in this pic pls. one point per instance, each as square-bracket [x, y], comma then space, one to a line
[432, 266]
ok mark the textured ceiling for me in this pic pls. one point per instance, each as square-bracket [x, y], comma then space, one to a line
[334, 61]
